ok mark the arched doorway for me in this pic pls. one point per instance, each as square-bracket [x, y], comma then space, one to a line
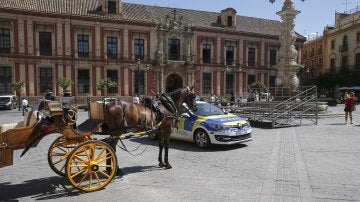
[173, 82]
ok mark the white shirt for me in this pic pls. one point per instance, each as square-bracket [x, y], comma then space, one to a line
[25, 102]
[212, 98]
[136, 100]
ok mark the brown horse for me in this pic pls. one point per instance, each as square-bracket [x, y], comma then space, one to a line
[123, 117]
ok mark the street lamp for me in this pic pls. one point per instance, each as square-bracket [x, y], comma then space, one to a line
[233, 69]
[139, 67]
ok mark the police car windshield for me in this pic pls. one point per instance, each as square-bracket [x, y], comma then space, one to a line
[206, 109]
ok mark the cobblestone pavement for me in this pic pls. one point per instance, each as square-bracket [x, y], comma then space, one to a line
[307, 163]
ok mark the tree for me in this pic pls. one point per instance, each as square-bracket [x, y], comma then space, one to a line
[105, 84]
[18, 87]
[64, 83]
[258, 86]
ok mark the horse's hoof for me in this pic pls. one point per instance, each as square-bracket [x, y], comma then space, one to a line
[161, 164]
[168, 166]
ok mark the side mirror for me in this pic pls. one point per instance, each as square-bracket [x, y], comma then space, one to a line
[185, 115]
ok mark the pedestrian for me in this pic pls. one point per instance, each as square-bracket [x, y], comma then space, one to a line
[232, 98]
[212, 98]
[49, 96]
[24, 104]
[349, 106]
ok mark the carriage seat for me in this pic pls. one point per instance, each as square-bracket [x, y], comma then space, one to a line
[54, 107]
[30, 119]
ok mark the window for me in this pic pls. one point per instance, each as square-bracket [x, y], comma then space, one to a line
[139, 49]
[206, 53]
[332, 65]
[273, 60]
[332, 44]
[229, 21]
[251, 79]
[4, 41]
[206, 83]
[139, 82]
[113, 75]
[112, 7]
[344, 63]
[5, 80]
[112, 50]
[229, 55]
[319, 50]
[229, 88]
[83, 81]
[174, 49]
[45, 47]
[319, 61]
[312, 52]
[46, 79]
[344, 46]
[83, 45]
[357, 61]
[251, 56]
[358, 37]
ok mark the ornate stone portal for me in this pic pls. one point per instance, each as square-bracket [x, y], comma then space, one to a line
[287, 66]
[174, 72]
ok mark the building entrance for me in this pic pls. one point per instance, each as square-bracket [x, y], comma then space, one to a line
[173, 82]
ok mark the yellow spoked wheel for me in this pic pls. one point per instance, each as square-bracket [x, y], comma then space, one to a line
[91, 166]
[59, 151]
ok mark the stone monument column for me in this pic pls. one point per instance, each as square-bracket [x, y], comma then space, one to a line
[287, 66]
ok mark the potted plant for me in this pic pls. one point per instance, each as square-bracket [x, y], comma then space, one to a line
[105, 84]
[64, 83]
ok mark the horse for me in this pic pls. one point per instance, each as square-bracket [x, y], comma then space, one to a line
[123, 117]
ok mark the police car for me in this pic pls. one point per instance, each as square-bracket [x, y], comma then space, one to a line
[208, 124]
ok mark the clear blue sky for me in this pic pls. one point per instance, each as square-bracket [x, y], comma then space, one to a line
[314, 16]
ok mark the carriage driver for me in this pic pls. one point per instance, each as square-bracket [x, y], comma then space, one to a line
[67, 100]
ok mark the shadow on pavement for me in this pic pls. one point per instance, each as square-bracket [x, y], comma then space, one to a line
[187, 146]
[139, 169]
[38, 189]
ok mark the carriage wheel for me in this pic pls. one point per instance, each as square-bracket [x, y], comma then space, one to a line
[70, 116]
[91, 166]
[58, 153]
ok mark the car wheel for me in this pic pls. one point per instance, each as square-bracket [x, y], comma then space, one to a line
[201, 139]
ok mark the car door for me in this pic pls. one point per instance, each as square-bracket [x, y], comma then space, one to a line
[183, 128]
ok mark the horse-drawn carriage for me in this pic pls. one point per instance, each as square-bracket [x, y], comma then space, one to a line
[88, 162]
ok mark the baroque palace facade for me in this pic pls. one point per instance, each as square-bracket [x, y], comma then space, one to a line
[338, 49]
[142, 48]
